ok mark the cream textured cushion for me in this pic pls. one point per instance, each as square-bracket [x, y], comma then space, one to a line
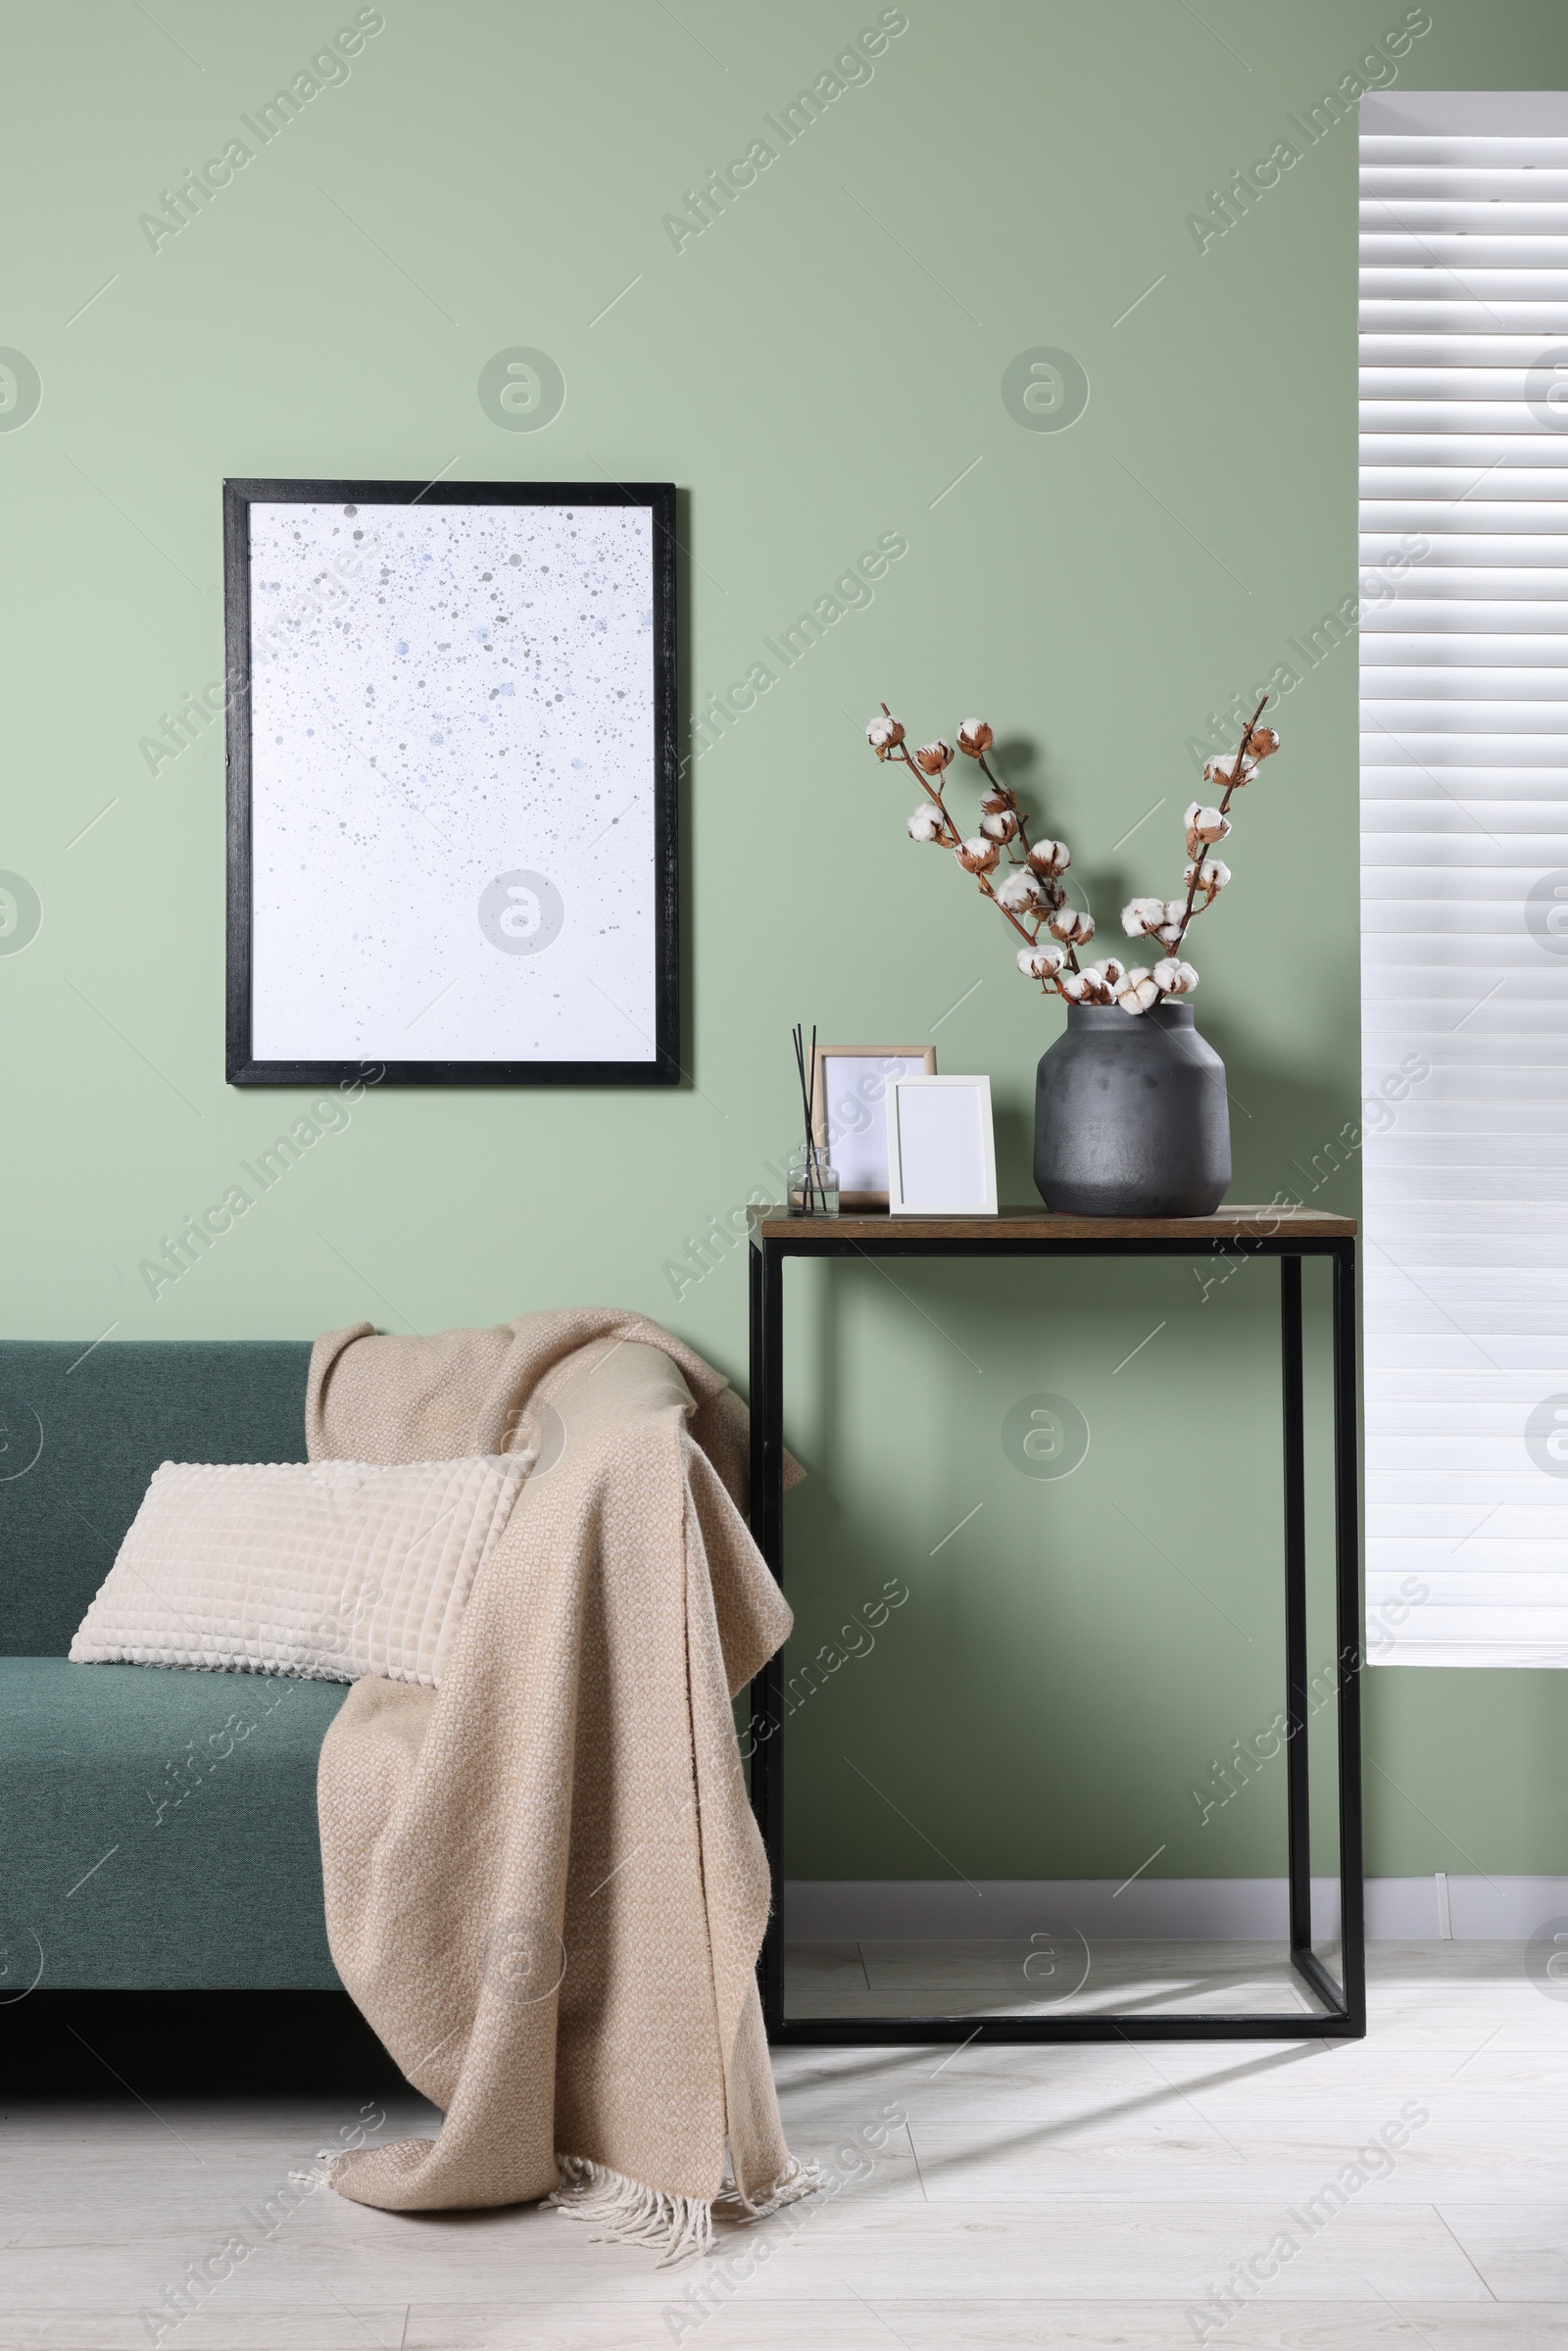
[327, 1570]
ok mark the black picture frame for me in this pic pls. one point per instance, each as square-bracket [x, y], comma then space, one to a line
[243, 1066]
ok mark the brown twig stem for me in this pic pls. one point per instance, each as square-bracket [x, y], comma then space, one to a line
[995, 786]
[1224, 809]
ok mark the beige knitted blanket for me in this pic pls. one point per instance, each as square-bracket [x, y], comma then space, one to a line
[545, 1887]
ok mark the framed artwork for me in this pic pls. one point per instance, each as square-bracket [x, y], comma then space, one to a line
[848, 1113]
[942, 1154]
[451, 783]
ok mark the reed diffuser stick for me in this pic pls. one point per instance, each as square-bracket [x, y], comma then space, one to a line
[799, 1034]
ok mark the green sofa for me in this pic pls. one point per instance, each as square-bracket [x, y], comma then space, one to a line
[158, 1826]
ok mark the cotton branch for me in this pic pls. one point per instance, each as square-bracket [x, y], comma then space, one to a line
[1031, 899]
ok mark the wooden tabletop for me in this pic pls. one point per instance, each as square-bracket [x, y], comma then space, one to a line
[1039, 1224]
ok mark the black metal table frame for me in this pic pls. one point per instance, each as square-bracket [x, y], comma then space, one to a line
[1343, 2012]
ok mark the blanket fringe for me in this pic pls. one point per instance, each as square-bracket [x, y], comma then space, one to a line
[624, 2211]
[797, 2179]
[319, 2174]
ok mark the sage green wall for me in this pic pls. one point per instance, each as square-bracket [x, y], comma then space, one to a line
[818, 368]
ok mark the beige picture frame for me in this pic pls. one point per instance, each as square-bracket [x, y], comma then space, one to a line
[848, 1116]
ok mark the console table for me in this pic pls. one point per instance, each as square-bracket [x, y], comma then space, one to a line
[1287, 1234]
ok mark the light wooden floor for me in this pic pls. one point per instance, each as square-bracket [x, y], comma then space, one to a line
[1013, 1977]
[1076, 2196]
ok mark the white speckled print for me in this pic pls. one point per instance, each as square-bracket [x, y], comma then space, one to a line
[452, 777]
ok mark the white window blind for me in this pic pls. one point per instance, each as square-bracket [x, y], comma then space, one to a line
[1464, 851]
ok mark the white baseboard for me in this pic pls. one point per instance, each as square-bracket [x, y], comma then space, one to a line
[1178, 1909]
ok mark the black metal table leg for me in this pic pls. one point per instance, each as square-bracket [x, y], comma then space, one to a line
[1348, 1611]
[753, 1273]
[1297, 1776]
[768, 1527]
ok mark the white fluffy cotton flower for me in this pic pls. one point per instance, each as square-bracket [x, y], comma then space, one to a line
[884, 734]
[1210, 877]
[1050, 858]
[977, 855]
[925, 824]
[1102, 980]
[1068, 924]
[1141, 915]
[1040, 963]
[1026, 893]
[1223, 770]
[1207, 823]
[974, 737]
[1137, 990]
[998, 824]
[1173, 977]
[1073, 986]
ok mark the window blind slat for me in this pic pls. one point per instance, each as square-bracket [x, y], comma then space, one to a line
[1429, 178]
[1410, 150]
[1463, 517]
[1389, 246]
[1394, 649]
[1497, 488]
[1453, 681]
[1481, 455]
[1439, 311]
[1462, 613]
[1502, 418]
[1432, 585]
[1421, 274]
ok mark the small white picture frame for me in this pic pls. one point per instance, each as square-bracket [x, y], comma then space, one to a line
[942, 1151]
[848, 1094]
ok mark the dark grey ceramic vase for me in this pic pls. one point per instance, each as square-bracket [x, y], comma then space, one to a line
[1131, 1115]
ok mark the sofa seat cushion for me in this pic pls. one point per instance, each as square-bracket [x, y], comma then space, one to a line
[158, 1828]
